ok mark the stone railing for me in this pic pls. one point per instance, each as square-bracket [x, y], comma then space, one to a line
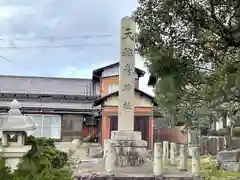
[163, 156]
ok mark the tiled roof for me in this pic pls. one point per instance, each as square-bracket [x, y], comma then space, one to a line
[51, 105]
[45, 85]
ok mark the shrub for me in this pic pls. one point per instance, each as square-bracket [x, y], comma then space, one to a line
[42, 162]
[236, 132]
[222, 132]
[204, 131]
[5, 172]
[210, 171]
[212, 132]
[179, 123]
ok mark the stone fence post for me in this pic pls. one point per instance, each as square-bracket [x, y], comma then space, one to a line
[173, 152]
[196, 161]
[195, 148]
[158, 159]
[165, 152]
[183, 157]
[109, 158]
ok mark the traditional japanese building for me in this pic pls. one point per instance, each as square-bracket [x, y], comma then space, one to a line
[64, 108]
[108, 78]
[59, 106]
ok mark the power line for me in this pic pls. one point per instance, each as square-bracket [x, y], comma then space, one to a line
[52, 46]
[57, 37]
[4, 58]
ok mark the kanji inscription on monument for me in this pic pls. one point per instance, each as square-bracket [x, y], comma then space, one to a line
[126, 75]
[127, 87]
[128, 69]
[127, 106]
[128, 34]
[128, 52]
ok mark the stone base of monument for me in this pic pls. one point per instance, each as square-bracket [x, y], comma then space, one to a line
[13, 154]
[129, 148]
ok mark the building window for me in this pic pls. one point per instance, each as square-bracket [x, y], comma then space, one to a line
[48, 126]
[112, 88]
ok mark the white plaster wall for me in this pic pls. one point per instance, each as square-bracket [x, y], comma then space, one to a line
[113, 71]
[140, 101]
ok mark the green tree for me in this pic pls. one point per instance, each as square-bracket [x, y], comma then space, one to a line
[192, 48]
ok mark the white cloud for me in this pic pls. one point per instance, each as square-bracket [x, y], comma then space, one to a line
[6, 12]
[46, 18]
[10, 10]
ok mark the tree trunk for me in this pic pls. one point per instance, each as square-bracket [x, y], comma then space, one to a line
[224, 119]
[213, 123]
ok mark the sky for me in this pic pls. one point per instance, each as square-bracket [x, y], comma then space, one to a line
[62, 38]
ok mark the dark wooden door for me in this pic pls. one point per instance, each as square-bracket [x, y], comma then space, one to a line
[141, 123]
[113, 124]
[71, 127]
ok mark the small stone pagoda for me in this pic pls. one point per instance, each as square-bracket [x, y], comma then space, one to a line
[15, 124]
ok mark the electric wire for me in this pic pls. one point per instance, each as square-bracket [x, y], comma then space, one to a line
[37, 38]
[54, 46]
[50, 38]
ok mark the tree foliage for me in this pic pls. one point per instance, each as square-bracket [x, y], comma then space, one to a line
[192, 47]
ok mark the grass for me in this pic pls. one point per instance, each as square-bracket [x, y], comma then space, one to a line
[210, 171]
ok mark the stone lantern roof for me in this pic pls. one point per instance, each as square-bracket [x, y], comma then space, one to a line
[15, 121]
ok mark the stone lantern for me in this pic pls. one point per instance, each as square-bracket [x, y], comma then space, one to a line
[16, 124]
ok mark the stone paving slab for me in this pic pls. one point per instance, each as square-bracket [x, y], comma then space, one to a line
[145, 170]
[142, 178]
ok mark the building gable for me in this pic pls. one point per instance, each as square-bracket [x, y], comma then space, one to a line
[113, 70]
[140, 101]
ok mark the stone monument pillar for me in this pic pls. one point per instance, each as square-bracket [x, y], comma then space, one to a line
[129, 147]
[15, 124]
[126, 75]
